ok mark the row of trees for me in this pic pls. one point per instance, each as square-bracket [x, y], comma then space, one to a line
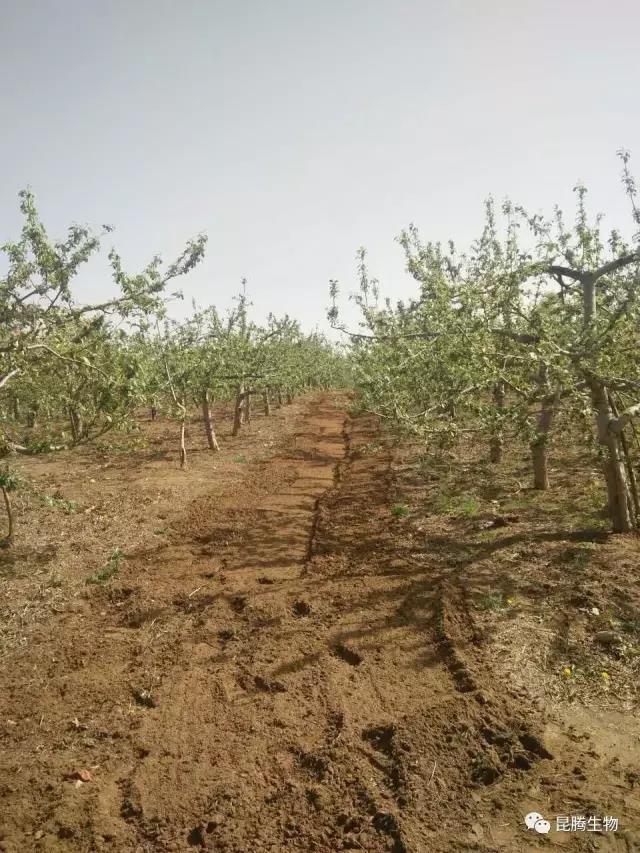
[70, 372]
[537, 316]
[232, 357]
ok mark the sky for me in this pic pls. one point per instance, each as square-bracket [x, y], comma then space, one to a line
[293, 132]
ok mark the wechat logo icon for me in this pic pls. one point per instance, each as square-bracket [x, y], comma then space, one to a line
[535, 821]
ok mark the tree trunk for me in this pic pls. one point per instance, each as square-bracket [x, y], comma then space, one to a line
[8, 539]
[619, 496]
[289, 398]
[539, 461]
[631, 474]
[243, 406]
[247, 407]
[77, 428]
[267, 403]
[237, 413]
[208, 423]
[539, 443]
[279, 398]
[620, 501]
[16, 409]
[154, 412]
[496, 442]
[183, 449]
[32, 416]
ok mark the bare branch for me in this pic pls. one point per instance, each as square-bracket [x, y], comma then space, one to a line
[401, 336]
[8, 376]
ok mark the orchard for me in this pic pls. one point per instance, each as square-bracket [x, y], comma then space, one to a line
[262, 589]
[72, 372]
[537, 319]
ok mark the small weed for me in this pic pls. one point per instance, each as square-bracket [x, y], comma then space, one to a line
[39, 447]
[122, 446]
[463, 557]
[400, 511]
[109, 570]
[630, 626]
[590, 507]
[492, 601]
[365, 449]
[9, 480]
[240, 459]
[515, 504]
[576, 556]
[465, 505]
[468, 506]
[355, 408]
[159, 531]
[59, 503]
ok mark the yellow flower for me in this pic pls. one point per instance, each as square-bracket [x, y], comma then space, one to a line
[605, 675]
[567, 671]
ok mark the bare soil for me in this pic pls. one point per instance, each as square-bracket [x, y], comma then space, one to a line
[317, 640]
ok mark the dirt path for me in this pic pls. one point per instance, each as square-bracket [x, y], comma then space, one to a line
[291, 672]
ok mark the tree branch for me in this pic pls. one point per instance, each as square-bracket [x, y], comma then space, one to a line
[520, 337]
[618, 424]
[8, 376]
[405, 336]
[565, 271]
[612, 266]
[66, 358]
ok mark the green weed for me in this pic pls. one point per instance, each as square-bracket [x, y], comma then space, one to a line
[59, 503]
[9, 480]
[576, 556]
[109, 570]
[492, 601]
[400, 510]
[465, 505]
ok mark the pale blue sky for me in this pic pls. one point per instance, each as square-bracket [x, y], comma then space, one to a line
[294, 132]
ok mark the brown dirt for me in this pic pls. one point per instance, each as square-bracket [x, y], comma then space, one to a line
[315, 641]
